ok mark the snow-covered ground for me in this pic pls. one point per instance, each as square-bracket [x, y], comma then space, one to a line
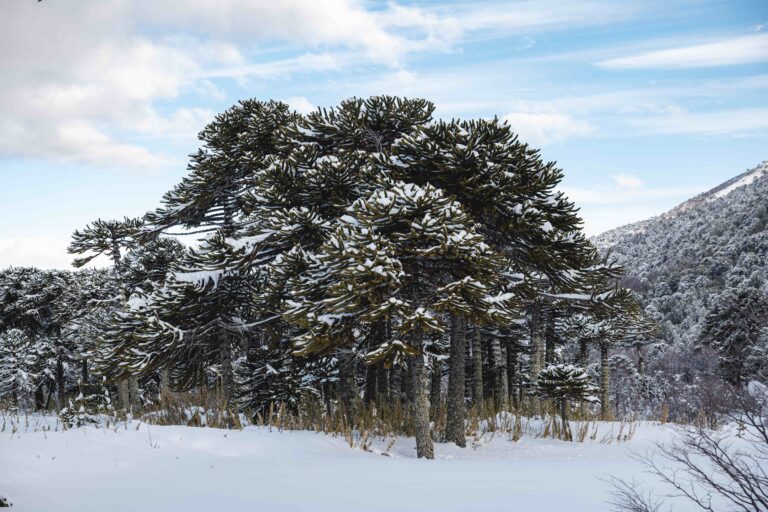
[165, 468]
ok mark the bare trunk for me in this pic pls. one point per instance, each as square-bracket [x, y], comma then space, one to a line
[550, 337]
[165, 381]
[227, 373]
[376, 337]
[512, 376]
[39, 397]
[455, 428]
[60, 391]
[500, 385]
[640, 359]
[133, 387]
[421, 425]
[436, 381]
[347, 385]
[84, 372]
[583, 353]
[370, 384]
[583, 361]
[605, 382]
[537, 351]
[396, 384]
[564, 417]
[477, 367]
[123, 395]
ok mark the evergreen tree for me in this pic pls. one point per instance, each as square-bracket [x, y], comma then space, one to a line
[733, 329]
[18, 367]
[563, 382]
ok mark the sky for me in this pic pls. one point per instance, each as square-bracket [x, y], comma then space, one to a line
[643, 104]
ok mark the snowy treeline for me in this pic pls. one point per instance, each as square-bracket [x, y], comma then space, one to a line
[701, 273]
[360, 254]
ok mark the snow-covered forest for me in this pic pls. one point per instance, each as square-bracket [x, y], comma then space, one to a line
[370, 271]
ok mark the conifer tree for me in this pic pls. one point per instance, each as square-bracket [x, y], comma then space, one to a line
[733, 329]
[18, 367]
[564, 382]
[112, 238]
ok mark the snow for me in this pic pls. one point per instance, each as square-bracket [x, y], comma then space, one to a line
[745, 180]
[161, 468]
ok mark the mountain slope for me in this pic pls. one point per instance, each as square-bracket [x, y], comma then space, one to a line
[682, 261]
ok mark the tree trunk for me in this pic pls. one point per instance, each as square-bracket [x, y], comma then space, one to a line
[347, 385]
[605, 382]
[564, 410]
[370, 384]
[583, 360]
[60, 390]
[477, 367]
[420, 386]
[512, 376]
[396, 384]
[165, 381]
[500, 385]
[133, 387]
[564, 417]
[84, 388]
[640, 359]
[382, 384]
[434, 388]
[39, 397]
[537, 351]
[583, 353]
[455, 427]
[227, 373]
[123, 395]
[550, 336]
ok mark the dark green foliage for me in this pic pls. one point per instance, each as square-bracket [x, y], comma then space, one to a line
[734, 329]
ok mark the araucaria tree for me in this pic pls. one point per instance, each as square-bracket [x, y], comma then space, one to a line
[564, 382]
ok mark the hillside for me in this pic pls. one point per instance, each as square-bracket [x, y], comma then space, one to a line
[683, 261]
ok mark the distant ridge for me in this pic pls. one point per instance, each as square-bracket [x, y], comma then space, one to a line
[681, 262]
[608, 238]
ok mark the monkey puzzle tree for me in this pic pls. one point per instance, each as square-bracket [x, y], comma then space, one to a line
[563, 382]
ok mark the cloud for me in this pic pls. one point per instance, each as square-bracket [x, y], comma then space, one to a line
[720, 122]
[90, 81]
[739, 50]
[42, 252]
[617, 194]
[627, 181]
[300, 104]
[541, 128]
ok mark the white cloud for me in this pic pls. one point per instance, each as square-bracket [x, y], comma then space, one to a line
[738, 50]
[541, 128]
[720, 122]
[627, 181]
[42, 252]
[300, 104]
[617, 194]
[95, 72]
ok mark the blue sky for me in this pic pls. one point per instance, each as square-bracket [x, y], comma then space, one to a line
[642, 103]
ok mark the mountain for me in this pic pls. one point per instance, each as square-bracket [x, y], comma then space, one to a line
[682, 262]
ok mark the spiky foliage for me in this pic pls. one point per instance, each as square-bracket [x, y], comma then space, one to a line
[565, 381]
[733, 328]
[104, 237]
[18, 367]
[235, 145]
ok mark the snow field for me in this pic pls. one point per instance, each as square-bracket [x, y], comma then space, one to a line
[139, 467]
